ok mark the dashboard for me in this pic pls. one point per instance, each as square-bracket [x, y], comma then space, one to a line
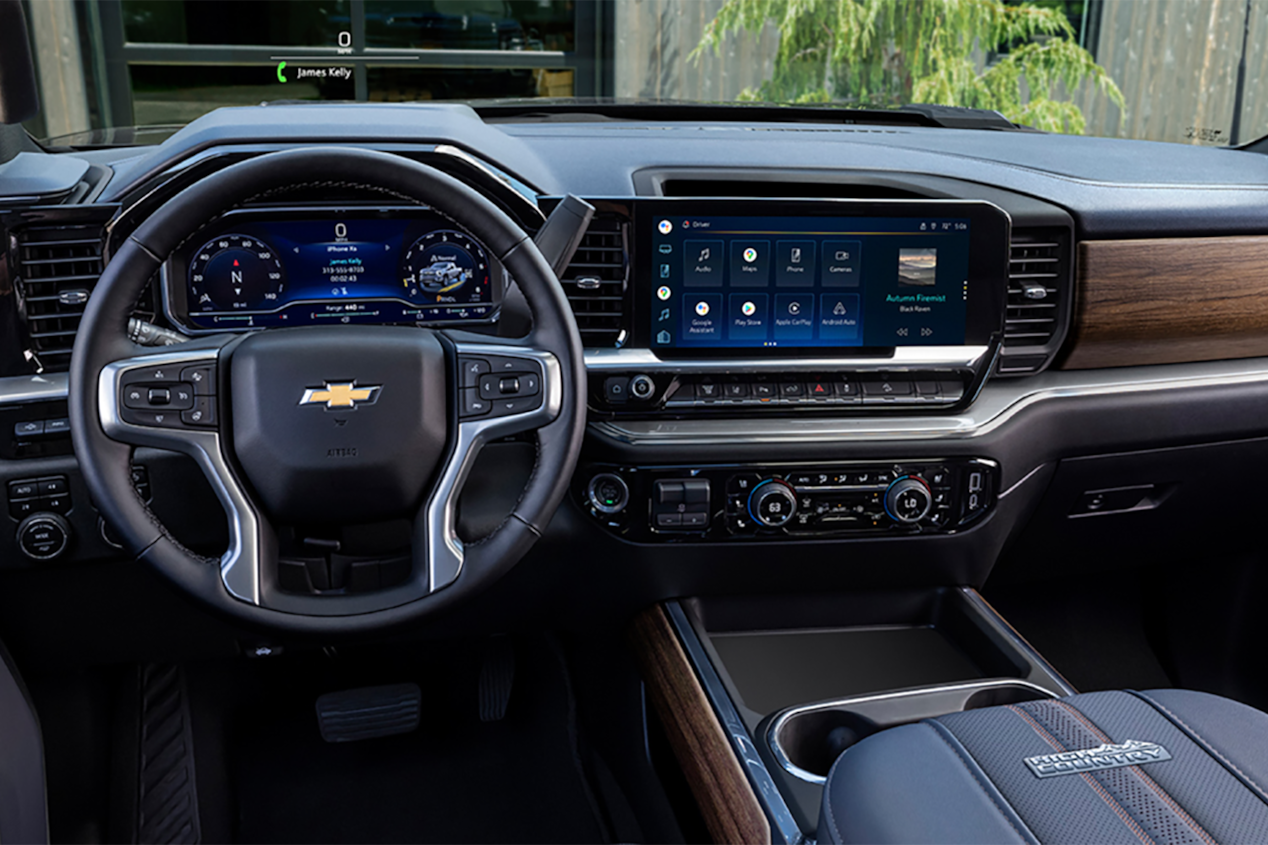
[295, 267]
[1061, 311]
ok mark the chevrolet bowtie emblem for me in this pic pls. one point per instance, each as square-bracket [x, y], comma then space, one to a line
[341, 395]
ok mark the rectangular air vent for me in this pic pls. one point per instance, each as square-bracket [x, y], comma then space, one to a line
[596, 283]
[1038, 285]
[57, 269]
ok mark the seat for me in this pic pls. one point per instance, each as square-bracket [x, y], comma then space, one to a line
[1138, 768]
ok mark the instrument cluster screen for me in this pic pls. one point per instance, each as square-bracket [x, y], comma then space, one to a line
[264, 271]
[720, 280]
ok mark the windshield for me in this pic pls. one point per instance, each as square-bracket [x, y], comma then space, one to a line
[1184, 71]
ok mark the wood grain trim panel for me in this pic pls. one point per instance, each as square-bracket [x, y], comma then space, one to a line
[730, 809]
[1169, 301]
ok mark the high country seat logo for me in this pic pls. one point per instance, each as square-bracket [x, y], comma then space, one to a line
[1133, 752]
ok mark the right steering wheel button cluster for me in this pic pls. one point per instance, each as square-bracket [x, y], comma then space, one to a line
[499, 386]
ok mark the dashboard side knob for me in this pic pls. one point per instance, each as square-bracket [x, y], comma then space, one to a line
[43, 536]
[908, 499]
[642, 387]
[772, 503]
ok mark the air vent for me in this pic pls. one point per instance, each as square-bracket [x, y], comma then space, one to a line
[57, 269]
[1038, 282]
[596, 283]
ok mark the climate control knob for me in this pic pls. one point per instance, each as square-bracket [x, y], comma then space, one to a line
[908, 499]
[772, 503]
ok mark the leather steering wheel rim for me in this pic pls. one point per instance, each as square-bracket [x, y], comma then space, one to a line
[101, 341]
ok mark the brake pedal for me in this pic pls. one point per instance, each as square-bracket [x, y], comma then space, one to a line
[369, 712]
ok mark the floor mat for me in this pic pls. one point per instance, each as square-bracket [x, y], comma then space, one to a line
[456, 779]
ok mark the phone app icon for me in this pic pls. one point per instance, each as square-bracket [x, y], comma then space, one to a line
[664, 292]
[664, 271]
[665, 227]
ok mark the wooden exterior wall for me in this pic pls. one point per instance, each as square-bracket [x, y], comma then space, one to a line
[654, 38]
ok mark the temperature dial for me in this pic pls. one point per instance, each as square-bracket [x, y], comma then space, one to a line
[772, 503]
[908, 499]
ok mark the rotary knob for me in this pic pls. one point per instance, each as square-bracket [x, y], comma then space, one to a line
[43, 536]
[772, 503]
[908, 499]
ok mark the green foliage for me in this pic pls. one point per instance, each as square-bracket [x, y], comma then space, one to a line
[883, 53]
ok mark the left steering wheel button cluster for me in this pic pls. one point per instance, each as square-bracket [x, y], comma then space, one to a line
[169, 397]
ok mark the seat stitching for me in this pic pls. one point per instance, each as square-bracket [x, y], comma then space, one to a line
[1109, 800]
[1196, 737]
[832, 819]
[1142, 775]
[959, 754]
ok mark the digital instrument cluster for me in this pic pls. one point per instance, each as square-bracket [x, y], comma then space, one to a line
[276, 269]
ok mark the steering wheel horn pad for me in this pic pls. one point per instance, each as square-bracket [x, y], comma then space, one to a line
[338, 424]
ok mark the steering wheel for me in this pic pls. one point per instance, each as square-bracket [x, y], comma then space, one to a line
[332, 425]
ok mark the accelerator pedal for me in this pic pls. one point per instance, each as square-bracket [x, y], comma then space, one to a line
[497, 676]
[369, 712]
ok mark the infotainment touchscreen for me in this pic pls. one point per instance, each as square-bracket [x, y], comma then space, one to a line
[826, 275]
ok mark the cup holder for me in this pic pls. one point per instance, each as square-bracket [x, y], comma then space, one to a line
[806, 740]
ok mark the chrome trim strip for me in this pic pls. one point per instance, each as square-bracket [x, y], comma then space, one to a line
[444, 548]
[776, 726]
[904, 357]
[999, 401]
[240, 564]
[990, 614]
[784, 827]
[19, 390]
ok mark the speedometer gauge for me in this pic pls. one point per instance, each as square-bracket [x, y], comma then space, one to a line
[235, 273]
[445, 266]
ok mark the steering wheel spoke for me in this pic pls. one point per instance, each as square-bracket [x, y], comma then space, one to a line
[503, 389]
[171, 400]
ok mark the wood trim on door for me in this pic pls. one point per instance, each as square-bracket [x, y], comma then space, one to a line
[1169, 301]
[727, 802]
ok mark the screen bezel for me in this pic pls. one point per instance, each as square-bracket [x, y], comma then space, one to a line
[174, 285]
[989, 234]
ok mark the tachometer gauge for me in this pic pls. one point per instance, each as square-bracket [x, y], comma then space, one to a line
[235, 273]
[445, 266]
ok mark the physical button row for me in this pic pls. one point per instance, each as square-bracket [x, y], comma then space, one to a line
[28, 495]
[869, 392]
[41, 428]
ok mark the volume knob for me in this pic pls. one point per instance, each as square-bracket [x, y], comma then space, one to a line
[772, 503]
[908, 499]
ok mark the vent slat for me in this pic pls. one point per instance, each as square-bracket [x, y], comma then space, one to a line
[49, 260]
[1039, 262]
[599, 306]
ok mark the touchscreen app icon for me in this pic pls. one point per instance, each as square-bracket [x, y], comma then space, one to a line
[665, 227]
[663, 292]
[750, 255]
[704, 255]
[702, 308]
[748, 309]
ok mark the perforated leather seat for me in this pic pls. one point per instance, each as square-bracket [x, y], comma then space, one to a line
[1165, 766]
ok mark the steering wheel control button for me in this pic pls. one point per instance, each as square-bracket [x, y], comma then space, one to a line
[473, 404]
[772, 503]
[908, 500]
[201, 378]
[471, 369]
[608, 493]
[43, 536]
[160, 396]
[201, 413]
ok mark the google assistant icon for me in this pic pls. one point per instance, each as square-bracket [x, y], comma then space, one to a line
[665, 227]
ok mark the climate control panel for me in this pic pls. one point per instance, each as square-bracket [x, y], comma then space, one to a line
[718, 503]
